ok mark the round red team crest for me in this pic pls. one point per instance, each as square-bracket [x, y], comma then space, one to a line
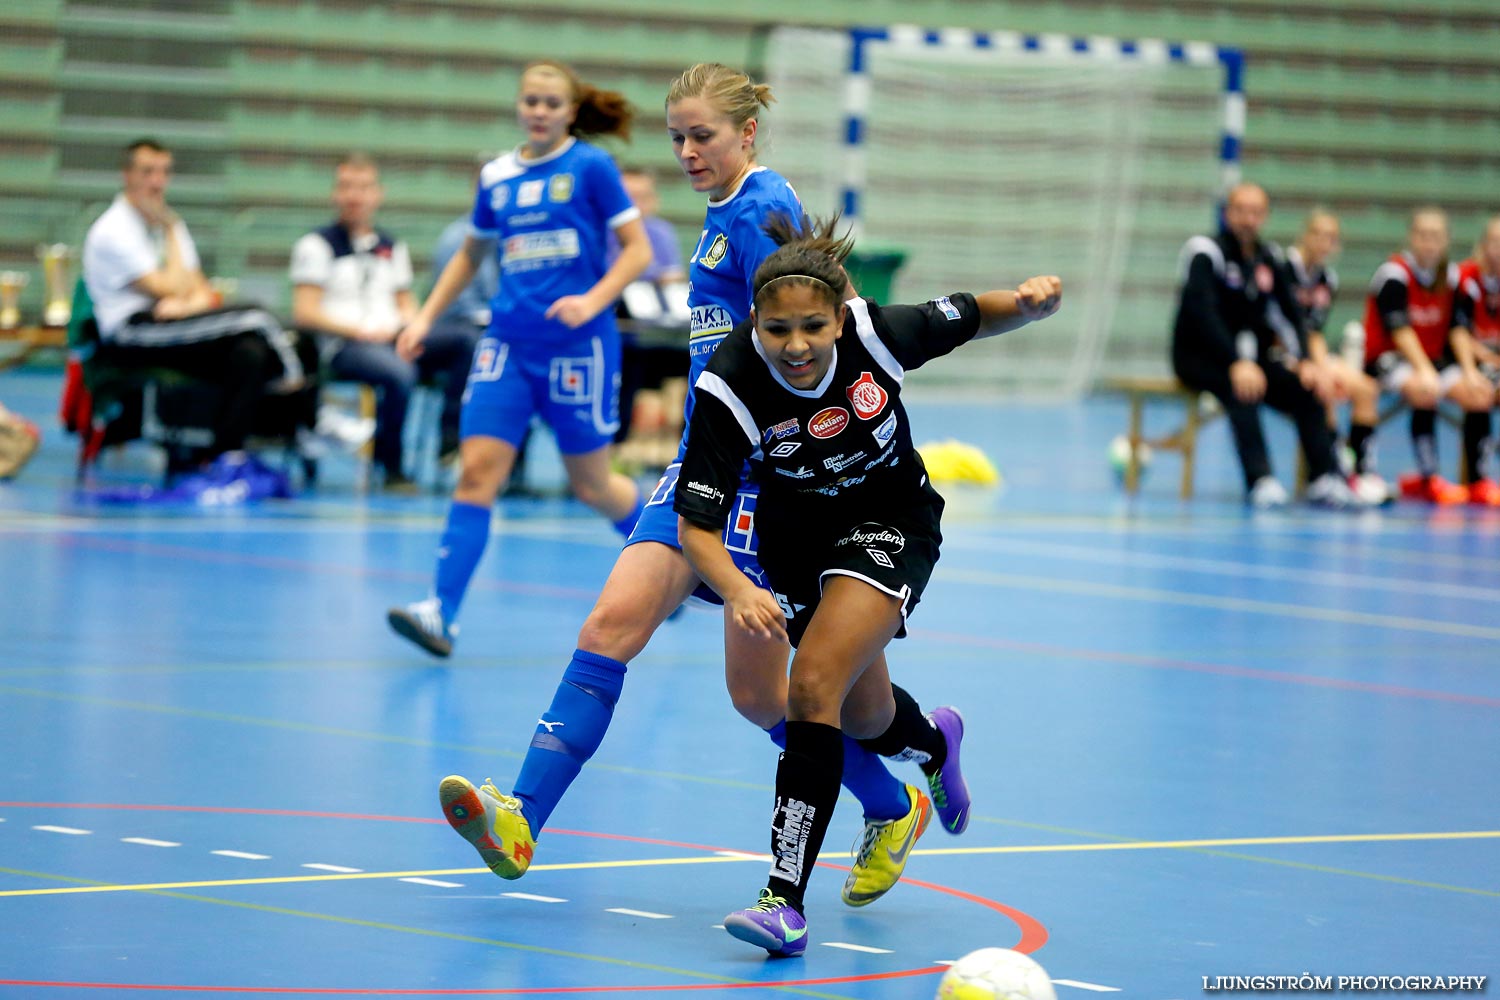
[867, 396]
[828, 422]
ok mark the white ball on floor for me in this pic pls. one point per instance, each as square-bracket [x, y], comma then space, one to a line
[996, 974]
[1119, 455]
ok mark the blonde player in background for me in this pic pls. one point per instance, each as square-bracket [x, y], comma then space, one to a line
[553, 348]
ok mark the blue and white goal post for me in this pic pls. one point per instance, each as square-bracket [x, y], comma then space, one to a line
[990, 156]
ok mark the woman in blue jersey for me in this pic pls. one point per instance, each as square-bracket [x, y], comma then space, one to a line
[552, 347]
[712, 121]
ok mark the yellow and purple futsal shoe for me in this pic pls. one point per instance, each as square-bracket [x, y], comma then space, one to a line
[772, 924]
[881, 853]
[950, 794]
[491, 822]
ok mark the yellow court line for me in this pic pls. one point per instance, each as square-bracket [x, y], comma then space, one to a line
[1132, 845]
[1147, 845]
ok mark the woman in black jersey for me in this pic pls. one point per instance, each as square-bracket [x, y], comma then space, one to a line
[809, 389]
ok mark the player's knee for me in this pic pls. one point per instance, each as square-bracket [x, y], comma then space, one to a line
[591, 492]
[813, 694]
[762, 703]
[479, 479]
[615, 630]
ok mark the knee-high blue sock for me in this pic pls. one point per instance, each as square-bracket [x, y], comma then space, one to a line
[463, 542]
[626, 524]
[880, 793]
[568, 734]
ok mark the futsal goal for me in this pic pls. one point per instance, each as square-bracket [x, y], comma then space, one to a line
[987, 157]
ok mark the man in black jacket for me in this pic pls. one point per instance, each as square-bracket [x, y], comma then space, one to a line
[1222, 341]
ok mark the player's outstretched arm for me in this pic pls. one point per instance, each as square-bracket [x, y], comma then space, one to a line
[1003, 311]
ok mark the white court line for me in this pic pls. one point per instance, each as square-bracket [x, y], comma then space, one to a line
[71, 831]
[1086, 588]
[242, 854]
[746, 855]
[148, 842]
[1087, 986]
[340, 869]
[866, 949]
[638, 913]
[534, 899]
[433, 882]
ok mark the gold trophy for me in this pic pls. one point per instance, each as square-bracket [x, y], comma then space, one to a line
[57, 276]
[11, 285]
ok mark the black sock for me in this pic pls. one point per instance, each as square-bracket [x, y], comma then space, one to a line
[910, 736]
[1360, 436]
[1424, 441]
[807, 788]
[1476, 444]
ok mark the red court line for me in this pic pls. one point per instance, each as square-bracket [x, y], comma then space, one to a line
[1033, 932]
[1222, 669]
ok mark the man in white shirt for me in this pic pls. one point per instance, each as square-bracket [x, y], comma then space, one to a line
[155, 309]
[351, 283]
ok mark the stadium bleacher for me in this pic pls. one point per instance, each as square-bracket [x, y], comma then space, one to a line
[1369, 106]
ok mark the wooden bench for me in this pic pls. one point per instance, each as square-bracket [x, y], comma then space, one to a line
[1139, 389]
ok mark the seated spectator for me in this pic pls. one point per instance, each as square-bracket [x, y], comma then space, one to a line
[1222, 343]
[655, 321]
[155, 309]
[351, 284]
[1315, 284]
[1476, 313]
[1412, 348]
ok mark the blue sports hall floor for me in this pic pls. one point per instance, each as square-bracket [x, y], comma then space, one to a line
[1202, 742]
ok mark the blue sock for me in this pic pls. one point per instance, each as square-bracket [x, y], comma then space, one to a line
[626, 524]
[880, 793]
[463, 542]
[568, 734]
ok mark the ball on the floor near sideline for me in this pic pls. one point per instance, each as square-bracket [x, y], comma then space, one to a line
[1119, 456]
[995, 974]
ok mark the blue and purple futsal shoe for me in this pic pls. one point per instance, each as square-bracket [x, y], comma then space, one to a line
[950, 795]
[771, 924]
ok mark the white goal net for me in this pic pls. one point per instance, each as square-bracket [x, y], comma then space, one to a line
[988, 165]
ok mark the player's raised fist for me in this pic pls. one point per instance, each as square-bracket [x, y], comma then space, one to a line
[1039, 297]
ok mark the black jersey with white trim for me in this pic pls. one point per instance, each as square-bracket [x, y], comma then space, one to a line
[845, 442]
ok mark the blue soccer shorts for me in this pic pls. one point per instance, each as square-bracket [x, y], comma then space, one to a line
[575, 390]
[658, 523]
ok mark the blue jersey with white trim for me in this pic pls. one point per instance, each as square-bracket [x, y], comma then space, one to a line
[550, 217]
[732, 246]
